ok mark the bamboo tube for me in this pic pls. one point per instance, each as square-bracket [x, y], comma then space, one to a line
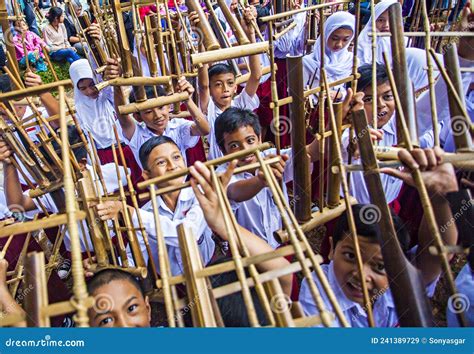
[215, 162]
[374, 62]
[7, 33]
[283, 317]
[350, 216]
[150, 48]
[425, 201]
[273, 87]
[124, 48]
[284, 31]
[237, 29]
[301, 179]
[152, 103]
[79, 285]
[297, 11]
[207, 35]
[334, 181]
[35, 90]
[229, 53]
[322, 113]
[133, 81]
[401, 73]
[38, 298]
[94, 44]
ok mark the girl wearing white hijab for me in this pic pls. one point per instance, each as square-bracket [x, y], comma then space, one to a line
[96, 114]
[339, 31]
[364, 50]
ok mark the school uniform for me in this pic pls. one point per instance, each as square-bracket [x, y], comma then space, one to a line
[242, 101]
[187, 212]
[260, 214]
[384, 311]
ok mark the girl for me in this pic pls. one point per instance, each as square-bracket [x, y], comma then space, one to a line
[55, 36]
[33, 44]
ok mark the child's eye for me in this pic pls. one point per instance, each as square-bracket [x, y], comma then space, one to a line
[161, 163]
[388, 97]
[380, 268]
[132, 308]
[251, 140]
[177, 157]
[233, 146]
[349, 256]
[106, 321]
[367, 99]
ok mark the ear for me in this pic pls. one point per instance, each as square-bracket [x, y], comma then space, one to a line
[148, 307]
[331, 250]
[137, 117]
[145, 174]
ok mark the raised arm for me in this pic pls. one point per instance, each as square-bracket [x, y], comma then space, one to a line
[200, 126]
[254, 60]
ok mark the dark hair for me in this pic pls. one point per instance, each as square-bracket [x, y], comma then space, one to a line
[232, 119]
[5, 83]
[54, 13]
[107, 276]
[149, 145]
[365, 218]
[80, 152]
[365, 79]
[150, 93]
[220, 68]
[232, 307]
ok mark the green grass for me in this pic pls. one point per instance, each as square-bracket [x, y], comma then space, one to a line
[61, 69]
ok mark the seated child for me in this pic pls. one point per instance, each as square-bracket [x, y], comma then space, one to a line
[235, 130]
[153, 122]
[119, 300]
[34, 47]
[342, 271]
[217, 88]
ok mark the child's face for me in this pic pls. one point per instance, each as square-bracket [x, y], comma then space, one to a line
[119, 304]
[339, 39]
[347, 274]
[222, 89]
[165, 159]
[87, 88]
[156, 119]
[381, 23]
[385, 104]
[21, 26]
[241, 139]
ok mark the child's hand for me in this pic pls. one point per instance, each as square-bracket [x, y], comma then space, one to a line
[250, 13]
[94, 31]
[193, 19]
[439, 177]
[278, 169]
[207, 196]
[185, 86]
[32, 79]
[352, 102]
[5, 152]
[113, 69]
[109, 210]
[353, 148]
[87, 265]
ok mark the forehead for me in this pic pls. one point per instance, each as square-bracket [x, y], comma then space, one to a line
[85, 82]
[342, 32]
[222, 77]
[118, 291]
[381, 89]
[240, 133]
[369, 247]
[165, 149]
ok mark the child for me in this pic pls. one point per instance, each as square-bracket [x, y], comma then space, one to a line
[237, 129]
[338, 60]
[33, 44]
[156, 121]
[342, 271]
[217, 88]
[119, 300]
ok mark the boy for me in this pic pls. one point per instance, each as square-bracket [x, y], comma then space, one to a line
[237, 129]
[156, 121]
[217, 88]
[119, 300]
[342, 271]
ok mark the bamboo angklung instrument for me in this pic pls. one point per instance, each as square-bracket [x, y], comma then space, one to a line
[7, 33]
[425, 201]
[205, 31]
[36, 302]
[234, 24]
[95, 45]
[124, 47]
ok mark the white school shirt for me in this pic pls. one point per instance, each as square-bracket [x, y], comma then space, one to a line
[391, 185]
[260, 214]
[291, 43]
[242, 101]
[178, 129]
[187, 212]
[384, 311]
[111, 183]
[465, 298]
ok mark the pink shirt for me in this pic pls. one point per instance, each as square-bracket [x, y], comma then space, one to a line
[32, 42]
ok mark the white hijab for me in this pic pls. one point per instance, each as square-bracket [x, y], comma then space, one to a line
[95, 115]
[337, 64]
[364, 50]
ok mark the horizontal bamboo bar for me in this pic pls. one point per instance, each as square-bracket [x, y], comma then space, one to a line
[152, 103]
[311, 321]
[305, 9]
[135, 271]
[37, 192]
[284, 31]
[46, 223]
[35, 90]
[229, 53]
[135, 80]
[423, 34]
[215, 162]
[62, 308]
[12, 320]
[244, 78]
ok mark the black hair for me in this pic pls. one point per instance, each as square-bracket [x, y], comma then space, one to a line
[5, 83]
[232, 307]
[220, 68]
[365, 79]
[107, 276]
[150, 93]
[149, 145]
[367, 225]
[80, 152]
[54, 13]
[232, 119]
